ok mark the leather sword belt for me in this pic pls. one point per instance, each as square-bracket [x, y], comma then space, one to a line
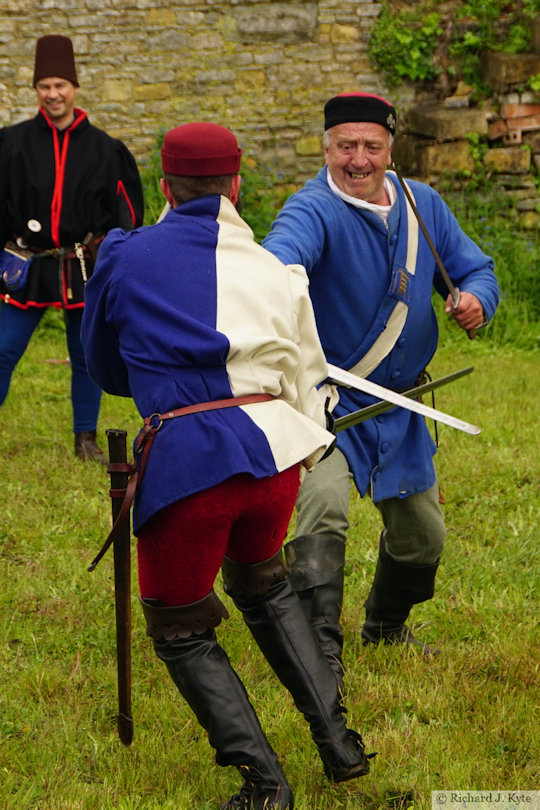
[71, 252]
[143, 445]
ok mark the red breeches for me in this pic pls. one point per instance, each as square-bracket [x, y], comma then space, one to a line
[181, 549]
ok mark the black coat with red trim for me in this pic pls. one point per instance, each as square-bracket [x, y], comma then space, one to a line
[74, 182]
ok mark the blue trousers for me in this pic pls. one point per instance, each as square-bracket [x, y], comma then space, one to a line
[16, 329]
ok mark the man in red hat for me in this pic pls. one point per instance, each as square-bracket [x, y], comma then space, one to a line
[371, 279]
[63, 185]
[215, 340]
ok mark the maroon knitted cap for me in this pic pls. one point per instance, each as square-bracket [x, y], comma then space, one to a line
[54, 57]
[347, 108]
[200, 150]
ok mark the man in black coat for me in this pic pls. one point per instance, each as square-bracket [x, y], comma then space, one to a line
[63, 185]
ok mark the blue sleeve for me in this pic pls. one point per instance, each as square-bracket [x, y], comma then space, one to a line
[469, 268]
[98, 333]
[298, 233]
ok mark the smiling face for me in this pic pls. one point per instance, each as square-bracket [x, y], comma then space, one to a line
[357, 156]
[57, 97]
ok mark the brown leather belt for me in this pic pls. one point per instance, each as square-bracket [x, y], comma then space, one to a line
[142, 447]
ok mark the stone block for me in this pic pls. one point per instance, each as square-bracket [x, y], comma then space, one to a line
[250, 80]
[508, 160]
[524, 122]
[276, 20]
[530, 220]
[344, 33]
[513, 138]
[517, 181]
[502, 71]
[152, 92]
[519, 110]
[115, 90]
[530, 204]
[497, 129]
[309, 146]
[164, 17]
[424, 158]
[532, 139]
[433, 120]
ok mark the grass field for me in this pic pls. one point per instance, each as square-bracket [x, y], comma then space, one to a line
[467, 720]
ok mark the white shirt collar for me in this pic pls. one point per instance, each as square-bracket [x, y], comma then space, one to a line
[381, 210]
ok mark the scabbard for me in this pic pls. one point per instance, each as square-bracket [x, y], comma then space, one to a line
[119, 471]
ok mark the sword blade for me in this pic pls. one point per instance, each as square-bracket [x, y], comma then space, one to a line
[354, 418]
[349, 380]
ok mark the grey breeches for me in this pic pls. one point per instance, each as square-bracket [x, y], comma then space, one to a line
[414, 530]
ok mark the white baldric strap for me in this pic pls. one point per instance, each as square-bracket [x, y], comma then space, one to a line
[394, 326]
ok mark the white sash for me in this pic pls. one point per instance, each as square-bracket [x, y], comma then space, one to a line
[394, 326]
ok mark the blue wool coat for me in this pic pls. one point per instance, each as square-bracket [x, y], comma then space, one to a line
[355, 263]
[191, 310]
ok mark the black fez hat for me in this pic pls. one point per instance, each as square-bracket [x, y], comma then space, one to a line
[54, 57]
[347, 108]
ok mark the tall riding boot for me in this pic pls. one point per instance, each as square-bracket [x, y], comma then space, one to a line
[316, 563]
[185, 640]
[396, 588]
[274, 615]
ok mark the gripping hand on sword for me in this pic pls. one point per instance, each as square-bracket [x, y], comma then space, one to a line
[467, 311]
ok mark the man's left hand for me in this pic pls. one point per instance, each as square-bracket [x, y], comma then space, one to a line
[469, 313]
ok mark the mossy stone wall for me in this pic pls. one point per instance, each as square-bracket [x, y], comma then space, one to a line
[264, 69]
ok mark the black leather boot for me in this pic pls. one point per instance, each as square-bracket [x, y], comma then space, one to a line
[396, 588]
[86, 447]
[272, 611]
[203, 674]
[316, 563]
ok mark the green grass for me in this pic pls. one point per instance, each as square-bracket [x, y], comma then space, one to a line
[464, 721]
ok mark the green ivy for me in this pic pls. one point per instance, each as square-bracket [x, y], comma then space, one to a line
[401, 44]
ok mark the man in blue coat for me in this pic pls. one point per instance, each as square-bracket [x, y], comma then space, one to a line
[215, 340]
[371, 277]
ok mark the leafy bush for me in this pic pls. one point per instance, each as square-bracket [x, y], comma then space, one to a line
[150, 171]
[490, 219]
[402, 44]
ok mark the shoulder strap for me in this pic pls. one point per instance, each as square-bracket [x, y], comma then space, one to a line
[394, 326]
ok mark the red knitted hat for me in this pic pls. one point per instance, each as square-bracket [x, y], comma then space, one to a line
[351, 107]
[200, 150]
[54, 57]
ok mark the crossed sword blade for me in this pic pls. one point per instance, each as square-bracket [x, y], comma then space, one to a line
[389, 399]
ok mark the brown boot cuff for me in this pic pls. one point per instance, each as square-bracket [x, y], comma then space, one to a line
[181, 621]
[244, 581]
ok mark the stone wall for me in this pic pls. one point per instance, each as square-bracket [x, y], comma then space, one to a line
[264, 69]
[434, 142]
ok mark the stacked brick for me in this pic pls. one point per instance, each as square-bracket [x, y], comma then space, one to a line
[436, 142]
